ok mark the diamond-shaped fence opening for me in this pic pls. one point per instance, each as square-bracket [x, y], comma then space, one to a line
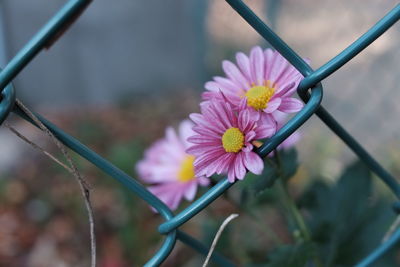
[310, 90]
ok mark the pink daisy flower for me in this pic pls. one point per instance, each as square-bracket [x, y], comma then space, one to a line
[170, 169]
[265, 79]
[223, 140]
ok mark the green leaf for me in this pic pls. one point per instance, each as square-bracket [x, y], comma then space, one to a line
[289, 163]
[296, 255]
[265, 180]
[346, 222]
[253, 188]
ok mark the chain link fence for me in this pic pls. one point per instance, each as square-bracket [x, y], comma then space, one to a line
[310, 90]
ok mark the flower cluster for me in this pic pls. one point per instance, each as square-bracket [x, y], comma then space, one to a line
[249, 104]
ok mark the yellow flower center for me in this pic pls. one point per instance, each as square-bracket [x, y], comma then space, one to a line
[233, 140]
[259, 96]
[186, 172]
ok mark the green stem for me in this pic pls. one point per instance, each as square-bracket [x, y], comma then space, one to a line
[292, 208]
[294, 211]
[289, 202]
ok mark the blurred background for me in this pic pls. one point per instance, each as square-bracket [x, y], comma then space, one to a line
[127, 70]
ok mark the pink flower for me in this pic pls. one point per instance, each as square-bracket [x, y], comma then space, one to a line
[223, 140]
[265, 79]
[170, 169]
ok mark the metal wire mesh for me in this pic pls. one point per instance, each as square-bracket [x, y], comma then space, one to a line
[310, 90]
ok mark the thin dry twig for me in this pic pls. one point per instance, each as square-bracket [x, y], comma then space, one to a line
[218, 235]
[391, 230]
[85, 188]
[37, 147]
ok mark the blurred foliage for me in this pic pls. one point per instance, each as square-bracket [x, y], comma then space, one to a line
[348, 220]
[43, 219]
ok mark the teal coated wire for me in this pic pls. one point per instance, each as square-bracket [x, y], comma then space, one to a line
[366, 39]
[313, 99]
[354, 49]
[351, 142]
[117, 174]
[381, 250]
[350, 52]
[47, 33]
[213, 193]
[7, 100]
[270, 36]
[195, 207]
[131, 184]
[290, 127]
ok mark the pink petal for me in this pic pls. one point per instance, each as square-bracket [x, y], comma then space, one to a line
[292, 90]
[206, 132]
[206, 95]
[174, 141]
[253, 163]
[234, 74]
[170, 194]
[212, 86]
[175, 201]
[201, 164]
[226, 161]
[265, 131]
[249, 147]
[269, 56]
[290, 141]
[222, 114]
[240, 170]
[268, 119]
[255, 114]
[190, 190]
[244, 120]
[290, 105]
[257, 65]
[284, 89]
[211, 155]
[250, 136]
[214, 121]
[201, 149]
[273, 105]
[230, 114]
[247, 119]
[266, 126]
[290, 74]
[243, 104]
[279, 65]
[200, 139]
[215, 165]
[203, 181]
[185, 131]
[162, 174]
[231, 174]
[227, 84]
[203, 121]
[244, 64]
